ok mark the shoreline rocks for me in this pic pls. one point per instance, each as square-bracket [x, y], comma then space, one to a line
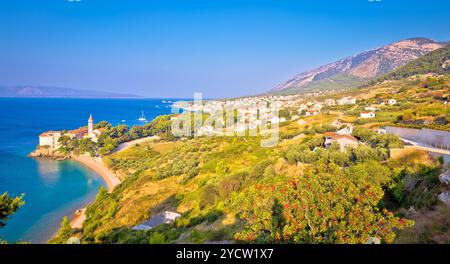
[48, 153]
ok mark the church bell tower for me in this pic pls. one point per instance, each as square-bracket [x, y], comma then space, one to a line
[90, 125]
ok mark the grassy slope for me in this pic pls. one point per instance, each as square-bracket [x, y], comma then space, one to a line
[149, 192]
[202, 177]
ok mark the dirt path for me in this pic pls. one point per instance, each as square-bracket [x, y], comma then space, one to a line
[128, 144]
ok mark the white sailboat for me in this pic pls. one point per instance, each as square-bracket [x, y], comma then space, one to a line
[142, 118]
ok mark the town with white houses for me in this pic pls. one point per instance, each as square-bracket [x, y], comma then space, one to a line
[252, 113]
[249, 109]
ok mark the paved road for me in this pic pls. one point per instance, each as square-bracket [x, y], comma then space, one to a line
[430, 149]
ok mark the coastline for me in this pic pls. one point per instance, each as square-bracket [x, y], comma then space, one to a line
[78, 219]
[95, 164]
[111, 179]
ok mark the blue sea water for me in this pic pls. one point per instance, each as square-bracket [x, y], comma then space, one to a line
[54, 189]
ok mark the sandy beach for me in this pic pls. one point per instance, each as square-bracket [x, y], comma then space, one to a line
[95, 164]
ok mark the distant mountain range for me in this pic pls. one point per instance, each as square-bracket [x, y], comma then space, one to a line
[356, 70]
[56, 92]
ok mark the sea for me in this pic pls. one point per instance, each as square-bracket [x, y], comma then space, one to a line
[54, 189]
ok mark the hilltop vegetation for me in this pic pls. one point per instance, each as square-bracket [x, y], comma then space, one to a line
[437, 62]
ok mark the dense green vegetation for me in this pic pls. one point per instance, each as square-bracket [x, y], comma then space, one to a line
[325, 205]
[8, 206]
[64, 232]
[433, 62]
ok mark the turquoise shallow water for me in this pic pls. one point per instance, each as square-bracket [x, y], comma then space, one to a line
[53, 188]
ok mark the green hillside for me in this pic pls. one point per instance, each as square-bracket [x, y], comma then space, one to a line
[232, 190]
[433, 62]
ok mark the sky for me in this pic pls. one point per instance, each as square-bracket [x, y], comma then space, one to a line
[170, 49]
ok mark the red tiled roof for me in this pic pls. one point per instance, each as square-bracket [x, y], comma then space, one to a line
[335, 136]
[344, 136]
[49, 133]
[81, 130]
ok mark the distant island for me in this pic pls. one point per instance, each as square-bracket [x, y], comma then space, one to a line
[27, 91]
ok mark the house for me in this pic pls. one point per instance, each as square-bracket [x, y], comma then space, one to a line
[49, 139]
[392, 101]
[370, 108]
[77, 133]
[345, 131]
[161, 218]
[367, 115]
[346, 100]
[171, 216]
[344, 141]
[330, 102]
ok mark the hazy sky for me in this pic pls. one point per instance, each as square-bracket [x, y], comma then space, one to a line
[173, 48]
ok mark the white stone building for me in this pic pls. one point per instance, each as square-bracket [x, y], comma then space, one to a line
[367, 115]
[50, 138]
[344, 141]
[346, 100]
[392, 101]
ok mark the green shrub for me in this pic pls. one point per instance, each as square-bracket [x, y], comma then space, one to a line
[157, 238]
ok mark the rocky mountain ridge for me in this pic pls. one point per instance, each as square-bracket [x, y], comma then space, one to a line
[354, 70]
